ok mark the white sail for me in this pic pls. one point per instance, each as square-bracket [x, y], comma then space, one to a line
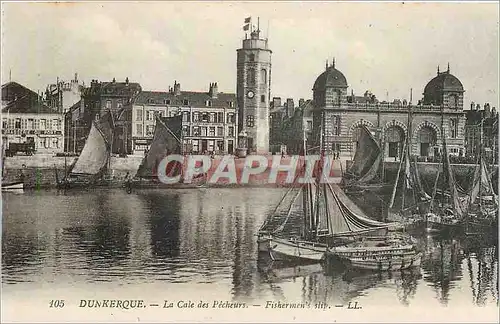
[96, 152]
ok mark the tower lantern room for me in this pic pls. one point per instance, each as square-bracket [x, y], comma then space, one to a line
[253, 88]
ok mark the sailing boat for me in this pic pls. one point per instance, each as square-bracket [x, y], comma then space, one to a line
[482, 205]
[167, 140]
[445, 213]
[312, 217]
[93, 162]
[366, 164]
[15, 186]
[408, 182]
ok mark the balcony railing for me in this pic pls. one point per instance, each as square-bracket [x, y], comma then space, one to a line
[395, 107]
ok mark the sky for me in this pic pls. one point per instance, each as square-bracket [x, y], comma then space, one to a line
[387, 48]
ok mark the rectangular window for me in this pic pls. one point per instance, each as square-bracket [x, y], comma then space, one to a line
[17, 124]
[150, 130]
[5, 124]
[150, 114]
[203, 131]
[263, 98]
[220, 131]
[211, 131]
[185, 116]
[309, 125]
[138, 115]
[230, 132]
[185, 130]
[185, 102]
[108, 104]
[250, 121]
[119, 103]
[231, 118]
[231, 104]
[212, 117]
[454, 127]
[166, 101]
[220, 117]
[138, 128]
[24, 122]
[49, 124]
[196, 117]
[55, 142]
[196, 130]
[37, 124]
[205, 118]
[42, 123]
[208, 103]
[196, 146]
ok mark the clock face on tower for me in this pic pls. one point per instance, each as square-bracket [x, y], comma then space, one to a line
[250, 94]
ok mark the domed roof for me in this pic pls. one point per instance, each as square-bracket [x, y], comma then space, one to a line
[444, 81]
[331, 78]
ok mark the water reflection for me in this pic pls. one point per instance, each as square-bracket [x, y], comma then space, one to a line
[208, 237]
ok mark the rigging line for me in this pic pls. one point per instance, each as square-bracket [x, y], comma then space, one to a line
[282, 226]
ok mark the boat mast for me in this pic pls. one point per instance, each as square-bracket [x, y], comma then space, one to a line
[480, 162]
[320, 171]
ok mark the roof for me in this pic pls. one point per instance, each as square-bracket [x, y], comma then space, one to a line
[331, 78]
[16, 98]
[27, 105]
[195, 99]
[113, 88]
[13, 90]
[444, 81]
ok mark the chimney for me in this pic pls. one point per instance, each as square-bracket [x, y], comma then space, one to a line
[472, 105]
[276, 102]
[487, 112]
[493, 112]
[76, 77]
[301, 102]
[114, 80]
[290, 106]
[177, 88]
[126, 80]
[213, 90]
[478, 107]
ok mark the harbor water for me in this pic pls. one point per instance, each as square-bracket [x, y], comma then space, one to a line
[170, 244]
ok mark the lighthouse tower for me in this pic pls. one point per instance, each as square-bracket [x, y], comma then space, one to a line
[253, 89]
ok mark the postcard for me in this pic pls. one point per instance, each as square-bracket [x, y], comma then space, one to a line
[250, 162]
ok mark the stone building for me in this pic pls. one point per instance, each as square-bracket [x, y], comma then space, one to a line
[62, 95]
[95, 101]
[209, 118]
[253, 89]
[289, 123]
[339, 116]
[481, 123]
[25, 119]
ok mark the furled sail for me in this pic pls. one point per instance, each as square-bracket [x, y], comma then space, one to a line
[166, 140]
[450, 183]
[334, 214]
[367, 158]
[346, 217]
[96, 152]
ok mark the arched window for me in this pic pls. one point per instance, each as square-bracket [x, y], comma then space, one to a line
[263, 76]
[251, 77]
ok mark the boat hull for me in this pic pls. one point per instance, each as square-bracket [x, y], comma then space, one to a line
[378, 258]
[13, 186]
[287, 249]
[387, 264]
